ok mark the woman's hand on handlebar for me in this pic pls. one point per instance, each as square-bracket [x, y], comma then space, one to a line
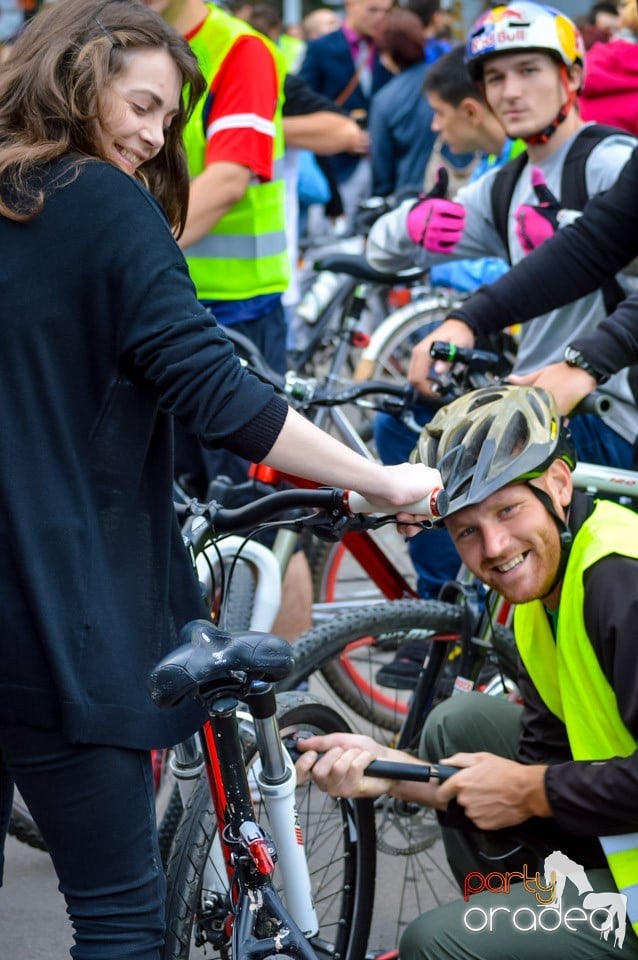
[421, 363]
[404, 484]
[568, 384]
[303, 450]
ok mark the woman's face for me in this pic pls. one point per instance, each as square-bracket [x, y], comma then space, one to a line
[138, 106]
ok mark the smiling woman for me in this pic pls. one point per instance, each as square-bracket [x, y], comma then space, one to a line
[103, 344]
[137, 108]
[74, 82]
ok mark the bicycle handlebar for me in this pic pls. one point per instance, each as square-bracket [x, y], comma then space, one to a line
[333, 501]
[597, 403]
[478, 363]
[435, 504]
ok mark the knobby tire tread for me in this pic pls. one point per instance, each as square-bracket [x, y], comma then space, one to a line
[316, 648]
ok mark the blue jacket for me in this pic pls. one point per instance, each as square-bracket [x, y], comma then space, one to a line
[328, 67]
[400, 136]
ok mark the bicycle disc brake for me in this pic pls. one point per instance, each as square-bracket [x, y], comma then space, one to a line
[404, 829]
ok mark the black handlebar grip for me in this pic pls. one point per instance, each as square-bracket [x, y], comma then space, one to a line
[410, 771]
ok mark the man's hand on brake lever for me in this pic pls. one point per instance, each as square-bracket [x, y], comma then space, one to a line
[422, 364]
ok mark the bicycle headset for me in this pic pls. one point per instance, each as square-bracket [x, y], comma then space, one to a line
[493, 437]
[521, 26]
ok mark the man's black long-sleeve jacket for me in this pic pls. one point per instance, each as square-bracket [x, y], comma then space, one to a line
[574, 262]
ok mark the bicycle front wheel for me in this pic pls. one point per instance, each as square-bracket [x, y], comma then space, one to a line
[387, 356]
[342, 657]
[340, 848]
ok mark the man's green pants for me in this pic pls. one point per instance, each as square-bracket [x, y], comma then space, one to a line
[511, 925]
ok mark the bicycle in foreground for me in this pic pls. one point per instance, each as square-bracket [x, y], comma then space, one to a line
[225, 894]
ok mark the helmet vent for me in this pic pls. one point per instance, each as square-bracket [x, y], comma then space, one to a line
[516, 437]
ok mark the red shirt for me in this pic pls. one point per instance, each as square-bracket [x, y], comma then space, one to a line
[240, 125]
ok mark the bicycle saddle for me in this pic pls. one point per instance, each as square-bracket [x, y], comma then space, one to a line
[356, 265]
[211, 662]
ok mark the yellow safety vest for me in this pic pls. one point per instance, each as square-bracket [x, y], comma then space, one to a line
[293, 50]
[568, 676]
[244, 255]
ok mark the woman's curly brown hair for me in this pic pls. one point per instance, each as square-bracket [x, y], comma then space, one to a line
[50, 87]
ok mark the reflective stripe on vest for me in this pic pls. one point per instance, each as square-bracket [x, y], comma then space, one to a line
[568, 676]
[245, 254]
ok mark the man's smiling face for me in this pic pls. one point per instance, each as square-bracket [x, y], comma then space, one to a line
[510, 541]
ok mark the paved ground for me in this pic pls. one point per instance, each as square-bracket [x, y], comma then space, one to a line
[34, 925]
[33, 921]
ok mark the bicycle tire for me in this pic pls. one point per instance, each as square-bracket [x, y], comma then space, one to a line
[388, 354]
[410, 856]
[348, 649]
[344, 898]
[340, 582]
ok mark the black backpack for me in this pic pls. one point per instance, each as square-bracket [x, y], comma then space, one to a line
[573, 192]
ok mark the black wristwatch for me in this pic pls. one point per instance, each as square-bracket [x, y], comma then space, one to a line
[574, 358]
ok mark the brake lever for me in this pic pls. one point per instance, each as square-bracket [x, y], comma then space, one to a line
[333, 529]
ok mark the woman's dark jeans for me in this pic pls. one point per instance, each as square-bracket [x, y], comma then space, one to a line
[95, 808]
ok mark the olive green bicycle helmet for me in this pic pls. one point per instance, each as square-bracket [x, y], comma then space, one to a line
[492, 437]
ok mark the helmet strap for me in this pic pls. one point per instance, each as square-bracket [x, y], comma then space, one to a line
[565, 535]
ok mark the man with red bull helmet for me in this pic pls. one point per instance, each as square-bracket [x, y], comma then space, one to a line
[550, 784]
[530, 61]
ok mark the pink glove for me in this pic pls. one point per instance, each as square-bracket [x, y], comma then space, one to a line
[535, 225]
[435, 223]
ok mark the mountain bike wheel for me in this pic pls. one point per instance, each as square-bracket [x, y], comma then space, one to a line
[349, 649]
[342, 656]
[339, 581]
[339, 837]
[387, 356]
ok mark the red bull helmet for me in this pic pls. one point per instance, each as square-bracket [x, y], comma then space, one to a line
[523, 26]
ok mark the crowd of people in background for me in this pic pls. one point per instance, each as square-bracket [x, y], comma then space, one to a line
[371, 61]
[370, 58]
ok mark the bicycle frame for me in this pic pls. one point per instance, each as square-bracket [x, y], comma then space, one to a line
[239, 904]
[239, 863]
[379, 567]
[247, 853]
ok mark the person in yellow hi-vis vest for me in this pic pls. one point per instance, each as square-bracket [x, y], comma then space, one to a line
[540, 822]
[235, 239]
